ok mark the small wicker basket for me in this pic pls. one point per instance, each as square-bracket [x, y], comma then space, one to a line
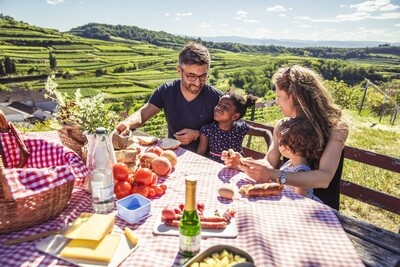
[24, 212]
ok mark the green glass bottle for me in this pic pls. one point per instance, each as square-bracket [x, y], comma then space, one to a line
[189, 226]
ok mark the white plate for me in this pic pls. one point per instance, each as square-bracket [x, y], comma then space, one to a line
[162, 229]
[54, 244]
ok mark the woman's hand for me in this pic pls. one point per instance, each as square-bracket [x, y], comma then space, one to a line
[231, 160]
[259, 170]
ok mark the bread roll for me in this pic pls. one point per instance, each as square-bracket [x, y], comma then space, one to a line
[261, 190]
[169, 143]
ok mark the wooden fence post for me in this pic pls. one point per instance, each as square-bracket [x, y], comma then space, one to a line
[363, 99]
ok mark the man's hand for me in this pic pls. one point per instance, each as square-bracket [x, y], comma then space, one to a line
[123, 128]
[186, 136]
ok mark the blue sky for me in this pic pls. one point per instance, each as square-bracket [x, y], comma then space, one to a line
[343, 20]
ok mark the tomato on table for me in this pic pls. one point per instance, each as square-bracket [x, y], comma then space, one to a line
[120, 171]
[141, 190]
[122, 189]
[144, 176]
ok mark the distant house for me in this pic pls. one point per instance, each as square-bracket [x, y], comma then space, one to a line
[22, 105]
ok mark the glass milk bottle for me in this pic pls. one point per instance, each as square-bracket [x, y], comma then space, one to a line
[102, 185]
[189, 226]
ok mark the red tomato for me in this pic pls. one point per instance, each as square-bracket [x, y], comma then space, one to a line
[163, 187]
[152, 192]
[159, 190]
[120, 171]
[141, 190]
[154, 179]
[122, 189]
[143, 176]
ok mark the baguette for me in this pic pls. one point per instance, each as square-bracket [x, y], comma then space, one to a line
[261, 190]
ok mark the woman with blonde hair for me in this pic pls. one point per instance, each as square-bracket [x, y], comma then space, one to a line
[300, 92]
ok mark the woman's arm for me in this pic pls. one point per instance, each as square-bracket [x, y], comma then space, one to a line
[312, 179]
[203, 145]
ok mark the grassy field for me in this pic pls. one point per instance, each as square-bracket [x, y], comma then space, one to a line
[146, 66]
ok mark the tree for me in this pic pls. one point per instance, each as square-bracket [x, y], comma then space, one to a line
[9, 65]
[2, 72]
[53, 61]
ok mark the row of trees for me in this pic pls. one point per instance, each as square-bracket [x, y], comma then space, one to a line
[7, 66]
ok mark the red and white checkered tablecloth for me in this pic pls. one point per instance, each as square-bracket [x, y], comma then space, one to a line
[286, 230]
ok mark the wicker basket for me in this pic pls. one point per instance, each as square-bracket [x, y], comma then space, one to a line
[72, 137]
[24, 212]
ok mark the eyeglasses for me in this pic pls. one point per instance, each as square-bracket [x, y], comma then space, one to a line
[194, 77]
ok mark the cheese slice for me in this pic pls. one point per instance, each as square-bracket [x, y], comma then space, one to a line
[91, 226]
[102, 250]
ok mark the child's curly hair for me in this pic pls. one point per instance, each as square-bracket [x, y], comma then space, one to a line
[300, 137]
[240, 102]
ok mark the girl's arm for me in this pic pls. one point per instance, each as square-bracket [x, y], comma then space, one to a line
[203, 145]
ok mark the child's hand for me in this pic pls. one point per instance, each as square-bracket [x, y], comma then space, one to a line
[231, 158]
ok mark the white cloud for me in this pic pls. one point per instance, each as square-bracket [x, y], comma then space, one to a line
[387, 16]
[389, 7]
[205, 25]
[241, 14]
[167, 14]
[304, 26]
[356, 16]
[397, 25]
[55, 2]
[282, 15]
[184, 14]
[302, 18]
[370, 6]
[250, 20]
[277, 9]
[177, 19]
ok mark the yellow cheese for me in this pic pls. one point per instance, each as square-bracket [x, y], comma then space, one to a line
[91, 226]
[131, 236]
[102, 250]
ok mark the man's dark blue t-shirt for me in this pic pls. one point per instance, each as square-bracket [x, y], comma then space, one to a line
[180, 113]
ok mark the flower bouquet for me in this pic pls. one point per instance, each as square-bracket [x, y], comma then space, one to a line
[77, 116]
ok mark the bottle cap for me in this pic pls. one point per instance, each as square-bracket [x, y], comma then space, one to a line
[190, 180]
[100, 130]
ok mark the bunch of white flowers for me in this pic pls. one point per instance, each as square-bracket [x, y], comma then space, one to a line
[88, 113]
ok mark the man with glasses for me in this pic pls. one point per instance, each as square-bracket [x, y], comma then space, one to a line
[188, 102]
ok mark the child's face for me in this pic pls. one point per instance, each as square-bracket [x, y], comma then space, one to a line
[225, 110]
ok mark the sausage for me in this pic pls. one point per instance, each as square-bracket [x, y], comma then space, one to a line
[204, 225]
[261, 190]
[212, 219]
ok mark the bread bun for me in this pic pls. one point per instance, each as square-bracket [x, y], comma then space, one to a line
[147, 140]
[169, 143]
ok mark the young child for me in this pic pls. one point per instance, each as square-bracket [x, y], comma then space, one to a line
[227, 132]
[297, 142]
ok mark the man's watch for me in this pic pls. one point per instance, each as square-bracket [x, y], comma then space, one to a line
[282, 178]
